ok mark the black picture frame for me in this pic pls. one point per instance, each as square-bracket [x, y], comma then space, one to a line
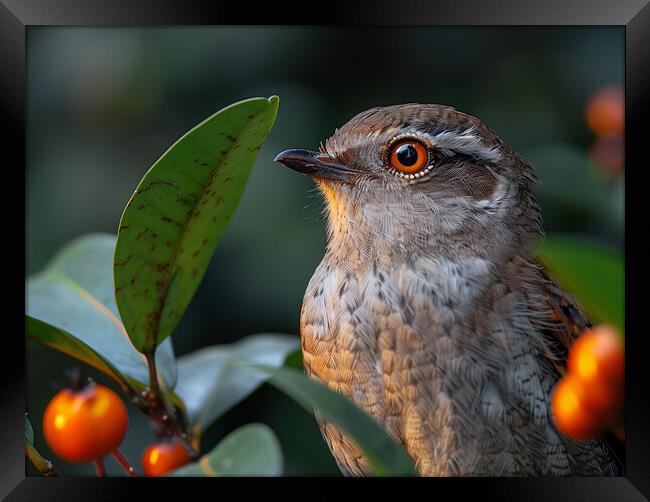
[632, 15]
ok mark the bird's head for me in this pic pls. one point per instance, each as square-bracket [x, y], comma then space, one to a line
[422, 178]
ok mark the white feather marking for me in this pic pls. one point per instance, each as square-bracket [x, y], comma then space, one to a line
[464, 142]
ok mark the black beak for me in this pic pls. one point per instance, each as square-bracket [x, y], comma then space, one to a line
[316, 164]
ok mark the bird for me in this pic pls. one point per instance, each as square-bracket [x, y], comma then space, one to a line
[429, 309]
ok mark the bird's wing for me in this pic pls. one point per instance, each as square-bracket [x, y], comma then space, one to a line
[566, 323]
[566, 320]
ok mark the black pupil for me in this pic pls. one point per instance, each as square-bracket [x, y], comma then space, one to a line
[407, 155]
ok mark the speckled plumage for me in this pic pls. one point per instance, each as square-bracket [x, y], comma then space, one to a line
[428, 311]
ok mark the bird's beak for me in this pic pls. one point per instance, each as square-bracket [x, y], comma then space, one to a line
[317, 165]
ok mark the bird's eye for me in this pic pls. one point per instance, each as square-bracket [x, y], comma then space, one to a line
[407, 156]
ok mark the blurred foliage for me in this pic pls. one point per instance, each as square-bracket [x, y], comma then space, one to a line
[71, 307]
[104, 102]
[593, 273]
[385, 456]
[210, 385]
[232, 456]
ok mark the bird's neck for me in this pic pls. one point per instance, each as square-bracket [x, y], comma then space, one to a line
[364, 231]
[348, 238]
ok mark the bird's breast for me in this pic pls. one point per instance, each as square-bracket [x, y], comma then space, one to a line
[360, 324]
[401, 342]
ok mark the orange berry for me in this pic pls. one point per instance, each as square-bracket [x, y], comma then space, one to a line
[571, 414]
[160, 458]
[606, 111]
[86, 424]
[597, 358]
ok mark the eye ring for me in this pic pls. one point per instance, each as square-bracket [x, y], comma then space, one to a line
[407, 156]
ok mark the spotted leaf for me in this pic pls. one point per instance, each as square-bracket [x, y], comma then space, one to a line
[179, 211]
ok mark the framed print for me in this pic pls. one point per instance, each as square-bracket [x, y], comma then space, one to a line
[391, 240]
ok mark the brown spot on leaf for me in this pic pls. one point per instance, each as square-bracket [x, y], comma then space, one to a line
[120, 263]
[193, 273]
[141, 233]
[195, 254]
[152, 319]
[141, 206]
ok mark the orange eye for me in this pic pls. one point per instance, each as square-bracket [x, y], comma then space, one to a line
[408, 156]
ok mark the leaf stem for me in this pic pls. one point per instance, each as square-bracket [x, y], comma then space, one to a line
[124, 462]
[158, 408]
[44, 466]
[192, 445]
[153, 375]
[100, 468]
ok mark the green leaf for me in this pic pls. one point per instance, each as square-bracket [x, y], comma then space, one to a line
[294, 360]
[177, 215]
[252, 450]
[593, 273]
[71, 308]
[29, 431]
[385, 456]
[209, 384]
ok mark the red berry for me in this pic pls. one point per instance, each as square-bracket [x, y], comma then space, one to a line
[160, 458]
[597, 358]
[571, 414]
[86, 424]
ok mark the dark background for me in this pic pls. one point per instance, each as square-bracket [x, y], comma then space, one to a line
[104, 103]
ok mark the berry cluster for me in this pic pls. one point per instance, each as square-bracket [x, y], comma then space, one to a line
[87, 423]
[589, 398]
